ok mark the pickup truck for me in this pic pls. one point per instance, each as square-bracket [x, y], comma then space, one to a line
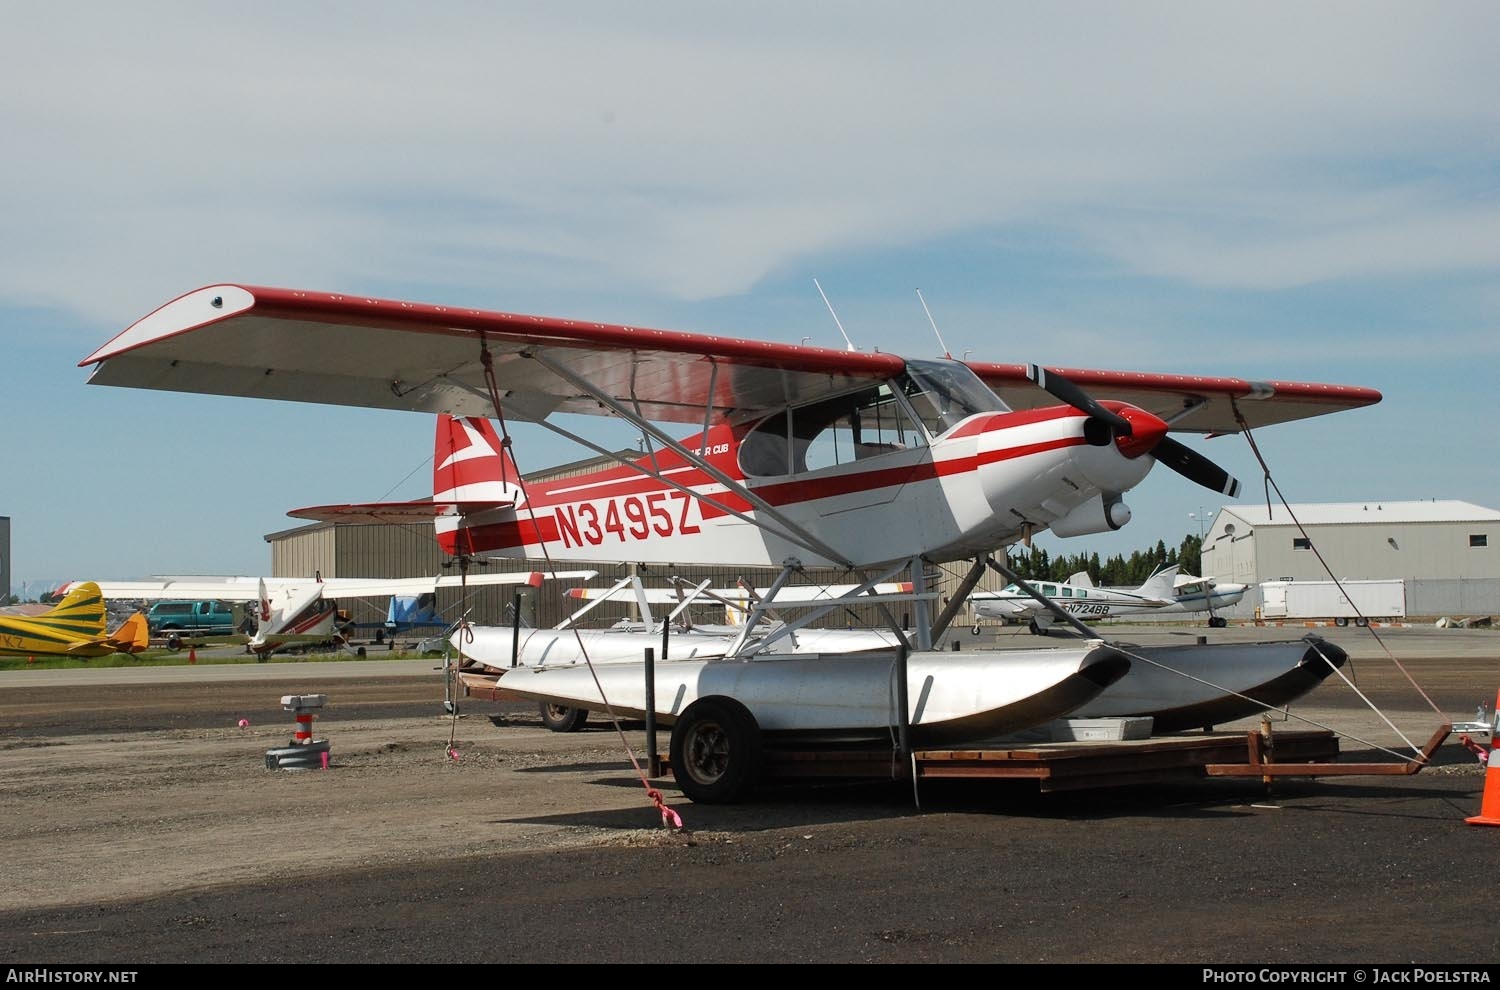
[205, 618]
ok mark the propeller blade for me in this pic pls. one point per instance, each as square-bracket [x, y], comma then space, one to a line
[1060, 388]
[1195, 467]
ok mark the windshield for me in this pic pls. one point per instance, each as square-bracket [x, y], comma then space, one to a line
[942, 393]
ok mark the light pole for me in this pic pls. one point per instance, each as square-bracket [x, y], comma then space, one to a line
[1199, 516]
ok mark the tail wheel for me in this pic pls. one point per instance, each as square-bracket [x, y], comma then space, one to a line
[561, 718]
[716, 750]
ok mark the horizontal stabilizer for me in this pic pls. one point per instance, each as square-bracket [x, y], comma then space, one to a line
[422, 511]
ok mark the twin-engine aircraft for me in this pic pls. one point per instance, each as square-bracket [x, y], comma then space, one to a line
[1166, 591]
[74, 627]
[804, 456]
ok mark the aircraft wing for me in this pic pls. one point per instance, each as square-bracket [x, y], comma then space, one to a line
[381, 587]
[352, 350]
[1188, 403]
[242, 589]
[789, 595]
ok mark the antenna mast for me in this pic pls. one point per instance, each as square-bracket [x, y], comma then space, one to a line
[941, 342]
[835, 316]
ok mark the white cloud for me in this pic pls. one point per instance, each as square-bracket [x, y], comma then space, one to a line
[691, 149]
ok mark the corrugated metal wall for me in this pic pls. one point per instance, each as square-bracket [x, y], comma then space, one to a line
[1440, 596]
[1379, 550]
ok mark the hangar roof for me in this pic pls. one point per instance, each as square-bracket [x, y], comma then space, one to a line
[1356, 513]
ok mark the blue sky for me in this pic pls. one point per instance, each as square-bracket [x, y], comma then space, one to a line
[1293, 191]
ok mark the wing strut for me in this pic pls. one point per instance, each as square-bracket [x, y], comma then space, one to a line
[803, 537]
[821, 607]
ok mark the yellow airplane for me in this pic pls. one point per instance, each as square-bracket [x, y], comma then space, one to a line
[73, 628]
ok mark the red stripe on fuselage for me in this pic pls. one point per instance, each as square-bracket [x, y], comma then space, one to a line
[619, 482]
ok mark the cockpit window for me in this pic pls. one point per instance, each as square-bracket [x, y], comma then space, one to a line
[942, 393]
[840, 430]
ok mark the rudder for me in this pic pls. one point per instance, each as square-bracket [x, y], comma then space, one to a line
[133, 636]
[470, 466]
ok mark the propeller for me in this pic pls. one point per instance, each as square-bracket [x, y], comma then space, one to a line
[1180, 458]
[1061, 388]
[1195, 467]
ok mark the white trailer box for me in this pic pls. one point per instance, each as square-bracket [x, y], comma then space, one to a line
[1340, 601]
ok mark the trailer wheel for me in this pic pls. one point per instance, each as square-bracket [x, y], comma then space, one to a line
[1341, 622]
[716, 750]
[561, 718]
[174, 642]
[1362, 622]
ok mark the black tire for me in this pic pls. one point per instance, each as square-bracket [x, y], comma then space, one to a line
[1362, 622]
[1036, 630]
[1217, 622]
[975, 630]
[561, 718]
[716, 751]
[1341, 623]
[174, 642]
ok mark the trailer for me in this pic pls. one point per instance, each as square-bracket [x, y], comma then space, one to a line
[1362, 601]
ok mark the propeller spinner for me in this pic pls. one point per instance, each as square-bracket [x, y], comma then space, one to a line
[1132, 441]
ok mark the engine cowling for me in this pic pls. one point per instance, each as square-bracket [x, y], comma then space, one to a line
[1094, 516]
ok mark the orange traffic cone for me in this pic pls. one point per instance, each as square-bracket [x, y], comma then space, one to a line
[1489, 805]
[192, 654]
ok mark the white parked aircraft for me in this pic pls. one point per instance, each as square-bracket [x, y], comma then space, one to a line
[302, 611]
[1166, 590]
[865, 461]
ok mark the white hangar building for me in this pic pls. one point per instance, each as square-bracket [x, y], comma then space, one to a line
[1447, 551]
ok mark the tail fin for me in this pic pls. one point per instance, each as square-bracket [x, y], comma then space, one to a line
[262, 611]
[1161, 584]
[80, 614]
[133, 636]
[1081, 580]
[470, 465]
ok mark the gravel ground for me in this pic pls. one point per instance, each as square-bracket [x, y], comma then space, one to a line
[141, 825]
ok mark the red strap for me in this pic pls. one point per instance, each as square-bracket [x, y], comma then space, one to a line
[669, 818]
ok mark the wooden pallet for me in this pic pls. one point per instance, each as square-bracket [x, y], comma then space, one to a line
[1072, 766]
[1081, 766]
